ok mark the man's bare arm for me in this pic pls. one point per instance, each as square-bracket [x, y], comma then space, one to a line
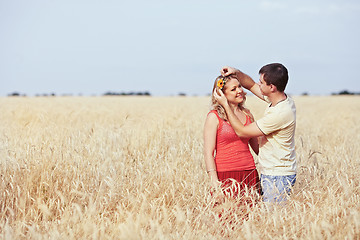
[245, 80]
[249, 131]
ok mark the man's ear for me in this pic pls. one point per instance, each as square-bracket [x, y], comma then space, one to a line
[273, 88]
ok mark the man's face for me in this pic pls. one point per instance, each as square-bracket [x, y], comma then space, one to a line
[265, 89]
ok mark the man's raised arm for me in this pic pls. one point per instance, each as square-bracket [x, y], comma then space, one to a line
[245, 80]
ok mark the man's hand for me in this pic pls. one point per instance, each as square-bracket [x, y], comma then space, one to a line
[226, 71]
[221, 99]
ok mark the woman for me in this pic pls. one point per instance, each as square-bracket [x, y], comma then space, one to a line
[228, 159]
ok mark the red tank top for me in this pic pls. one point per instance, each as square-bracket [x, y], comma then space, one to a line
[232, 152]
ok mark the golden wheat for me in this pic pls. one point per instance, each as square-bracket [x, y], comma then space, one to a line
[132, 168]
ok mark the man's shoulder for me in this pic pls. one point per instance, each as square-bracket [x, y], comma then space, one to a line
[286, 106]
[282, 113]
[290, 100]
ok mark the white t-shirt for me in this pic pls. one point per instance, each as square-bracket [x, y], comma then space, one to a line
[277, 147]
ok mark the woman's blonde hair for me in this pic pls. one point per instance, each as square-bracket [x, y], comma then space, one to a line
[214, 103]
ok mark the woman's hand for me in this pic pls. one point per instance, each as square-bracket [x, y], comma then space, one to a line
[217, 193]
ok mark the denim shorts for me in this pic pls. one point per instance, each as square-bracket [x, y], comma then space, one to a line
[276, 188]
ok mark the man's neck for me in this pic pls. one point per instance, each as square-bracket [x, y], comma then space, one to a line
[276, 97]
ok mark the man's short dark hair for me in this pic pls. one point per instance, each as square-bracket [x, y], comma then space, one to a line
[275, 74]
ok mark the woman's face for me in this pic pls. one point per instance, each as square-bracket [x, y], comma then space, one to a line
[233, 91]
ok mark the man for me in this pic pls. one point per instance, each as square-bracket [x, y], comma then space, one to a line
[276, 129]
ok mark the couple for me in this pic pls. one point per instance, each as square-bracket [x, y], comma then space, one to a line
[230, 129]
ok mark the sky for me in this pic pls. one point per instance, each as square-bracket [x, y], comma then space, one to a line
[90, 47]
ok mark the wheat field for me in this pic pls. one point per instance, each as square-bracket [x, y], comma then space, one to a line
[133, 168]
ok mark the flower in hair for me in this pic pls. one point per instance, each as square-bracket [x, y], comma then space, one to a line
[221, 82]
